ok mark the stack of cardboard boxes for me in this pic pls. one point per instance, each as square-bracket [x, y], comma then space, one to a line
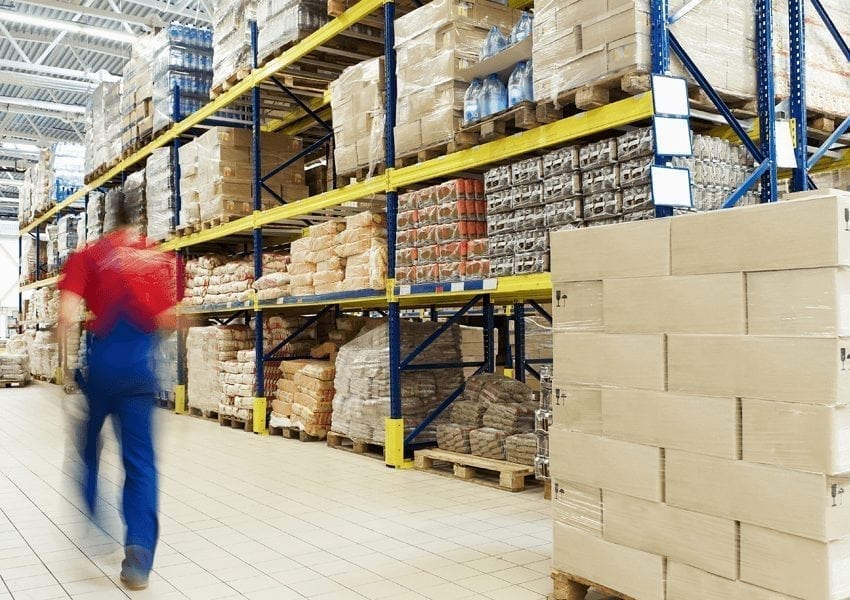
[699, 448]
[358, 105]
[103, 137]
[434, 44]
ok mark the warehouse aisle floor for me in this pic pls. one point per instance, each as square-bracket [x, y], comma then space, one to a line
[245, 516]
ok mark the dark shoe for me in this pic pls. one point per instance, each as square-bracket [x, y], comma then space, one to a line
[135, 569]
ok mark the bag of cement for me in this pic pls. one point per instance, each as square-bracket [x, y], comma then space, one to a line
[521, 449]
[488, 443]
[511, 418]
[468, 412]
[454, 438]
[495, 388]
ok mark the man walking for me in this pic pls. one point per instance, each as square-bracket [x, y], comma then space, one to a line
[130, 289]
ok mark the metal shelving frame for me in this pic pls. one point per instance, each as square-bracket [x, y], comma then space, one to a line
[517, 293]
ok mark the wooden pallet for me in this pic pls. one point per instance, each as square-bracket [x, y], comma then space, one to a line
[235, 423]
[571, 587]
[605, 91]
[518, 118]
[240, 74]
[12, 384]
[101, 170]
[462, 141]
[184, 230]
[465, 466]
[359, 174]
[294, 433]
[343, 442]
[44, 379]
[204, 414]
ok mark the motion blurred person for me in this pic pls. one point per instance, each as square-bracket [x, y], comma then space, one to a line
[130, 288]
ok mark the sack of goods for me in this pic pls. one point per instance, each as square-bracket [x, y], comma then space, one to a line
[211, 354]
[304, 396]
[521, 448]
[14, 368]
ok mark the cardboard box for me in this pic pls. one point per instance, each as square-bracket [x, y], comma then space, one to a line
[798, 234]
[578, 506]
[799, 302]
[701, 424]
[639, 249]
[794, 565]
[704, 541]
[790, 501]
[577, 305]
[688, 583]
[598, 359]
[796, 436]
[806, 370]
[604, 463]
[626, 570]
[577, 408]
[688, 304]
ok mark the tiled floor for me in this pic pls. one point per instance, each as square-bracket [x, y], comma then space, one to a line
[244, 516]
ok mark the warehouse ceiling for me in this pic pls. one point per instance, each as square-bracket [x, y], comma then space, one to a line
[53, 53]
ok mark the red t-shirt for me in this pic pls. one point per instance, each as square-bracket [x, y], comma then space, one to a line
[121, 275]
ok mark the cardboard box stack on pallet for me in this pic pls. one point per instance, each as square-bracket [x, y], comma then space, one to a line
[358, 103]
[103, 138]
[434, 44]
[701, 381]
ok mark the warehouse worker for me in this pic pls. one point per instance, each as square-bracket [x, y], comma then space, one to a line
[130, 289]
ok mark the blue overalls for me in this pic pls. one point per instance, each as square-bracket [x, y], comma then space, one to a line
[121, 382]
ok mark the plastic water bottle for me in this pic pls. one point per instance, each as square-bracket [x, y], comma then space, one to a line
[493, 44]
[523, 28]
[521, 84]
[494, 96]
[472, 102]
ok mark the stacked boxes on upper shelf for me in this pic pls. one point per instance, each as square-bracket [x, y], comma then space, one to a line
[159, 194]
[281, 22]
[442, 233]
[136, 99]
[103, 136]
[700, 394]
[231, 22]
[358, 105]
[434, 44]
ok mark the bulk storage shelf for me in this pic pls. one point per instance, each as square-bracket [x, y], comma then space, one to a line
[516, 291]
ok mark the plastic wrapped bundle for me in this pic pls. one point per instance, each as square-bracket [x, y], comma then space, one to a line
[14, 367]
[95, 213]
[67, 163]
[357, 98]
[454, 437]
[468, 412]
[521, 449]
[510, 418]
[134, 199]
[231, 37]
[66, 237]
[159, 194]
[166, 363]
[208, 350]
[44, 354]
[488, 443]
[362, 399]
[284, 21]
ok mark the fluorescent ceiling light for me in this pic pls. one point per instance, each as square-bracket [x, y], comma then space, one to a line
[11, 182]
[68, 26]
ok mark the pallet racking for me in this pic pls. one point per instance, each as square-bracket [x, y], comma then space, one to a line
[517, 293]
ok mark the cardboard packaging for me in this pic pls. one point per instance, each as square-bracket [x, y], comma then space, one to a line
[633, 572]
[799, 302]
[700, 424]
[640, 249]
[577, 408]
[596, 359]
[707, 542]
[689, 304]
[799, 234]
[817, 570]
[689, 583]
[789, 501]
[803, 369]
[577, 305]
[578, 506]
[796, 436]
[608, 464]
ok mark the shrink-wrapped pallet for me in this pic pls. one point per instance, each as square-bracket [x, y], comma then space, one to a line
[231, 21]
[454, 437]
[15, 367]
[211, 352]
[159, 194]
[357, 100]
[362, 400]
[282, 22]
[166, 364]
[44, 354]
[488, 443]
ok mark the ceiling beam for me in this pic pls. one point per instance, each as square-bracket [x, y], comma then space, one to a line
[26, 110]
[71, 73]
[69, 26]
[50, 82]
[40, 37]
[87, 11]
[41, 104]
[166, 8]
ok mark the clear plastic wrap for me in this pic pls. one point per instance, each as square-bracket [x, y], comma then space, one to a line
[357, 98]
[231, 37]
[211, 354]
[159, 194]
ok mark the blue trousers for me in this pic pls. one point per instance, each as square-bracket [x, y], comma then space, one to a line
[121, 383]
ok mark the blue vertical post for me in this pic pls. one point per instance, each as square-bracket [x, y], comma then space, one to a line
[519, 341]
[257, 163]
[180, 389]
[37, 252]
[766, 97]
[394, 430]
[660, 51]
[797, 49]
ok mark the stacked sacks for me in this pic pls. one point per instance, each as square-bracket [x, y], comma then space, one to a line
[329, 272]
[237, 382]
[212, 352]
[304, 396]
[363, 248]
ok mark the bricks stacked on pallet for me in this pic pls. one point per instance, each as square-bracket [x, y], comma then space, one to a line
[699, 398]
[434, 44]
[357, 101]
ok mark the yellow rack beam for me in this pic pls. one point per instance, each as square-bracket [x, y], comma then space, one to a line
[40, 283]
[315, 105]
[323, 35]
[514, 288]
[613, 115]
